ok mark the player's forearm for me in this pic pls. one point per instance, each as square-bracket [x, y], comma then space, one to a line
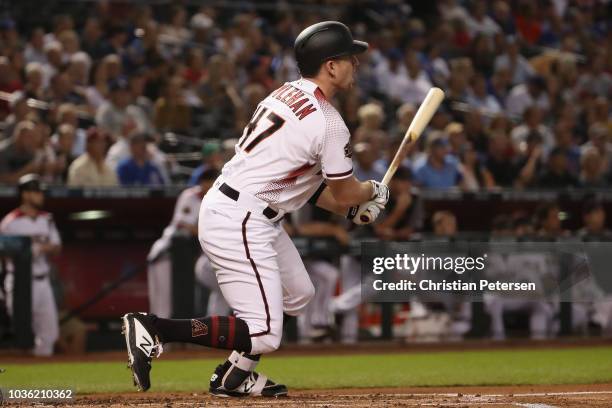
[327, 202]
[349, 191]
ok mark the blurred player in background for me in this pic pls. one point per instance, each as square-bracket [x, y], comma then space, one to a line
[29, 220]
[402, 221]
[184, 222]
[316, 322]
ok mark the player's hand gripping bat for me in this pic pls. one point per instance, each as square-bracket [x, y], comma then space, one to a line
[421, 119]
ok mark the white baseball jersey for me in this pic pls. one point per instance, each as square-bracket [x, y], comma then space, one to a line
[186, 212]
[295, 139]
[41, 229]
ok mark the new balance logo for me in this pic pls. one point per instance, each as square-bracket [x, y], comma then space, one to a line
[142, 338]
[249, 383]
[146, 347]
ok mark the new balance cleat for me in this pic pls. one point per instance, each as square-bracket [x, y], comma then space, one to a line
[142, 344]
[255, 385]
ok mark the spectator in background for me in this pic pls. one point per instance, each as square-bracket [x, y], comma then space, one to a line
[112, 116]
[404, 213]
[68, 114]
[528, 94]
[78, 69]
[172, 114]
[530, 160]
[444, 224]
[417, 84]
[391, 75]
[18, 153]
[139, 169]
[212, 158]
[34, 85]
[404, 115]
[97, 90]
[499, 160]
[137, 82]
[591, 170]
[600, 140]
[195, 69]
[557, 174]
[19, 112]
[365, 165]
[219, 97]
[89, 169]
[62, 90]
[480, 99]
[174, 35]
[371, 117]
[499, 85]
[34, 50]
[63, 143]
[548, 221]
[478, 22]
[482, 54]
[70, 43]
[532, 123]
[594, 220]
[440, 170]
[456, 138]
[45, 154]
[53, 61]
[564, 139]
[9, 83]
[91, 37]
[517, 65]
[475, 176]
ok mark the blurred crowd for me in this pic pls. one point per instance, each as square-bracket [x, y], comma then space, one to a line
[133, 94]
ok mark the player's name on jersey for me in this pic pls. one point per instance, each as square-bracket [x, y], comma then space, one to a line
[295, 99]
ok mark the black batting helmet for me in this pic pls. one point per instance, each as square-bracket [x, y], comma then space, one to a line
[324, 41]
[29, 182]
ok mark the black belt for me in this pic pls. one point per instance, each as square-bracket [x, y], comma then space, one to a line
[269, 212]
[40, 277]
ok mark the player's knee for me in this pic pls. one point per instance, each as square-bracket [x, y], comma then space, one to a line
[299, 301]
[265, 344]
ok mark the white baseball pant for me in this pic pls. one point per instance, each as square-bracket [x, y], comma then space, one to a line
[45, 324]
[324, 277]
[205, 274]
[347, 303]
[159, 280]
[258, 268]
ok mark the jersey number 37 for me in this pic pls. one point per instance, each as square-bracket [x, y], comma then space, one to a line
[276, 123]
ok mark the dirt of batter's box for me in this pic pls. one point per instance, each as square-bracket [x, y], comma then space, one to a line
[590, 395]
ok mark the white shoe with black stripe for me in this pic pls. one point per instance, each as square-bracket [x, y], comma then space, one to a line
[142, 345]
[252, 383]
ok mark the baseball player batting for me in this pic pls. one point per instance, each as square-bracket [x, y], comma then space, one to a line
[295, 150]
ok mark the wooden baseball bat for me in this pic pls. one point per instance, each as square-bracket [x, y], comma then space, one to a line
[421, 119]
[424, 114]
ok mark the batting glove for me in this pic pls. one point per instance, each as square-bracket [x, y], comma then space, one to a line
[381, 193]
[365, 213]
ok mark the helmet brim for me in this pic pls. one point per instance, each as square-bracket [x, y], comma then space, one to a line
[358, 47]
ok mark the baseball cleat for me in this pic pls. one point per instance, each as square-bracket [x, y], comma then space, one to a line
[255, 385]
[142, 345]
